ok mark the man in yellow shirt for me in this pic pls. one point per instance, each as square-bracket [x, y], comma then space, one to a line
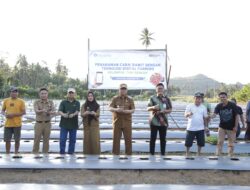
[13, 109]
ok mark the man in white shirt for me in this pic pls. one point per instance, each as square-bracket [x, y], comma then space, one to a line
[197, 123]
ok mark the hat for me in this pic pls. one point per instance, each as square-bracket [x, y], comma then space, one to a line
[13, 89]
[71, 90]
[123, 86]
[198, 94]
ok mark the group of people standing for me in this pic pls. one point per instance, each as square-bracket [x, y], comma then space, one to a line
[199, 115]
[122, 107]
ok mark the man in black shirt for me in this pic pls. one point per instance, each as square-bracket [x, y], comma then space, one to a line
[229, 119]
[241, 118]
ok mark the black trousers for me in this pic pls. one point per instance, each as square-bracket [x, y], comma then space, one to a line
[153, 135]
[247, 134]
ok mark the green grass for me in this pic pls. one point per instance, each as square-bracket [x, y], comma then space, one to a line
[212, 140]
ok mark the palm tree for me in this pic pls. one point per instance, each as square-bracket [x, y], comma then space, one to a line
[146, 37]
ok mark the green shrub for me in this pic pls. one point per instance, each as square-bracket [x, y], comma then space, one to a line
[212, 140]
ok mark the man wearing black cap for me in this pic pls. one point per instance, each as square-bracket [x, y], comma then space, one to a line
[159, 106]
[197, 121]
[13, 109]
[122, 106]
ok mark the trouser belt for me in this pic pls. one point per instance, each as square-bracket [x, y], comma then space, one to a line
[42, 121]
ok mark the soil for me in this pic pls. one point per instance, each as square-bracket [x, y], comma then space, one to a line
[108, 177]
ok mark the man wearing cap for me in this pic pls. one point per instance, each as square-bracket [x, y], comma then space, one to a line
[13, 109]
[69, 110]
[122, 106]
[229, 119]
[197, 122]
[45, 110]
[159, 106]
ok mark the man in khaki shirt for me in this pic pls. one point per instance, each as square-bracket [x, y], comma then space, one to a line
[122, 106]
[45, 110]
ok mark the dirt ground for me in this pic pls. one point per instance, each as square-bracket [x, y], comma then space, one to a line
[107, 177]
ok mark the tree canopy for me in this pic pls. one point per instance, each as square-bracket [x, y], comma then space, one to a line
[146, 37]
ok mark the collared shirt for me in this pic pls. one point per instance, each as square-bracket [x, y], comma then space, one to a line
[122, 119]
[47, 105]
[69, 107]
[164, 103]
[13, 106]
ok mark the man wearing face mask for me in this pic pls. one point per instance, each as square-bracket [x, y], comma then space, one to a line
[122, 106]
[159, 106]
[45, 110]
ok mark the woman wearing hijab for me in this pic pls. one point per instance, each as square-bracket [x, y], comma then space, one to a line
[90, 113]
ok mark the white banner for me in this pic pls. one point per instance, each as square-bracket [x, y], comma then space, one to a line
[139, 69]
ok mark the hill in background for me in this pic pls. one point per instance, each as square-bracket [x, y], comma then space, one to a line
[190, 85]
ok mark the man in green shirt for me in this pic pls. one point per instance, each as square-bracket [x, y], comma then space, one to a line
[69, 110]
[159, 106]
